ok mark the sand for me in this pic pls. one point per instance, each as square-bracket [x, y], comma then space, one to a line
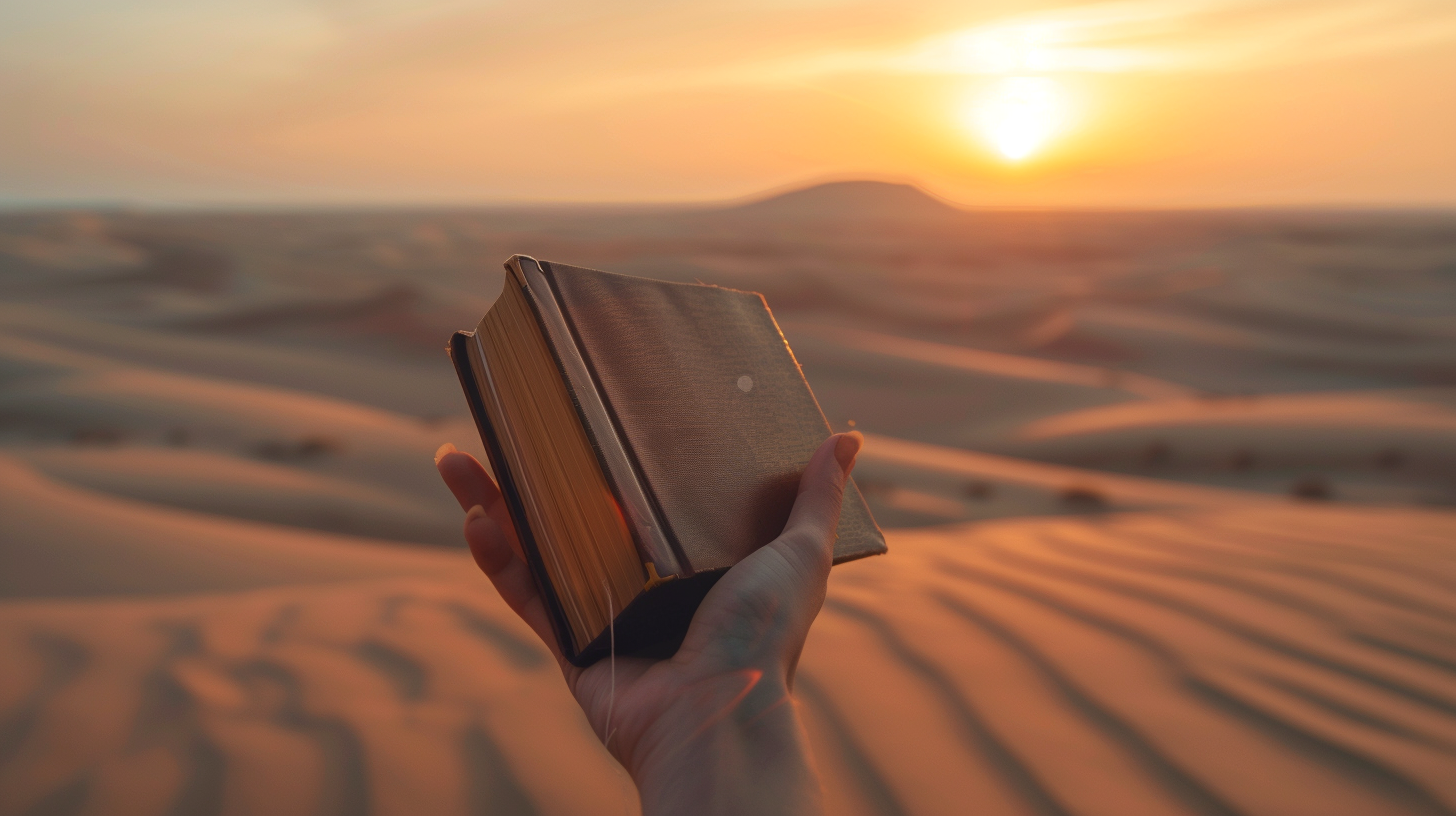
[1168, 499]
[1278, 660]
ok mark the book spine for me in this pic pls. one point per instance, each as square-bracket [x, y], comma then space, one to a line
[659, 558]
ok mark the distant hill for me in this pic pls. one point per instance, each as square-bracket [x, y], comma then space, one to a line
[850, 200]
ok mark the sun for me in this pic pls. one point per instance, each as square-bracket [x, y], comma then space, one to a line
[1018, 116]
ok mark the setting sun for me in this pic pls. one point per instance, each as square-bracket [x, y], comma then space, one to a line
[1017, 116]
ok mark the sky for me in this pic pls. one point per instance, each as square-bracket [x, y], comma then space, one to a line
[1122, 103]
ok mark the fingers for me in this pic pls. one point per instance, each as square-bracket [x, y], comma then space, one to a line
[465, 477]
[487, 542]
[807, 543]
[473, 487]
[509, 573]
[815, 517]
[492, 539]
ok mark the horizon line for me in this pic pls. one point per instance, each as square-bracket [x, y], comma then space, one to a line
[262, 204]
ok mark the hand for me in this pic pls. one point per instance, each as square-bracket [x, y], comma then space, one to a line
[712, 729]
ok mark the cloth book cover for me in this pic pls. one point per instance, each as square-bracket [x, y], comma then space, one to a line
[646, 436]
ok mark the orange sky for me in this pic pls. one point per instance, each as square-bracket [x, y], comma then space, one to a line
[1122, 103]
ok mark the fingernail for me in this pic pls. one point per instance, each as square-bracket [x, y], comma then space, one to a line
[442, 450]
[474, 513]
[847, 448]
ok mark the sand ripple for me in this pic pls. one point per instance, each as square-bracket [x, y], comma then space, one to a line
[1266, 660]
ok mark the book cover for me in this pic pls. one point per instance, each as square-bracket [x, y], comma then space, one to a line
[699, 418]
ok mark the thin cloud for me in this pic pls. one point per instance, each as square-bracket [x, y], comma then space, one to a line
[1142, 35]
[1125, 36]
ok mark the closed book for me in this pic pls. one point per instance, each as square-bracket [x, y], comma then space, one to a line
[646, 436]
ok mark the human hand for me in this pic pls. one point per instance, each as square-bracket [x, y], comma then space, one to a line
[712, 729]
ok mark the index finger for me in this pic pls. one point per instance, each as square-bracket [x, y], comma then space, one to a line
[473, 486]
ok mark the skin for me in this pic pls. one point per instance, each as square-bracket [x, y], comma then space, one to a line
[714, 728]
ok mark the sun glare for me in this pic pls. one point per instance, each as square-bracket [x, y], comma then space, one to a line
[1017, 116]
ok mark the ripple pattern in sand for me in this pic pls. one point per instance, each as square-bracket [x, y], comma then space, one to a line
[1269, 660]
[1254, 661]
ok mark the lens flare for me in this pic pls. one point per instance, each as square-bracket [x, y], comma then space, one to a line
[1018, 115]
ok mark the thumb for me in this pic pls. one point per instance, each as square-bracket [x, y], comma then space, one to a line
[808, 537]
[770, 599]
[807, 542]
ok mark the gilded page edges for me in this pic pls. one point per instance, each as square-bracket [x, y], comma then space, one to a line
[477, 393]
[658, 557]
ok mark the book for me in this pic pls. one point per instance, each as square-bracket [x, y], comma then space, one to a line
[646, 436]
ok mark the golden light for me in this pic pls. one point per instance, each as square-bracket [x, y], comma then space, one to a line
[1017, 116]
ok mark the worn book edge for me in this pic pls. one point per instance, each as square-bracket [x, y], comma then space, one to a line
[869, 540]
[660, 554]
[654, 623]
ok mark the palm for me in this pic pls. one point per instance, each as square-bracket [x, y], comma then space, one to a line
[738, 625]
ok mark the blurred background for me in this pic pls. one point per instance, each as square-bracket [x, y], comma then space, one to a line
[1146, 307]
[1109, 104]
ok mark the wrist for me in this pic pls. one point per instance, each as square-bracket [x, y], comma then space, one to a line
[732, 744]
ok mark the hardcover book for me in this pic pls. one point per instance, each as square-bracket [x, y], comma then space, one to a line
[646, 437]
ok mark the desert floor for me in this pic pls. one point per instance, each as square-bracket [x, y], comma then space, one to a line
[1170, 497]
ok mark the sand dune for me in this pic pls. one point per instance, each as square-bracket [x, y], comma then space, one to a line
[397, 696]
[1189, 663]
[409, 388]
[216, 499]
[248, 489]
[1397, 430]
[912, 484]
[62, 541]
[1417, 411]
[1388, 446]
[1401, 346]
[1277, 660]
[58, 396]
[998, 364]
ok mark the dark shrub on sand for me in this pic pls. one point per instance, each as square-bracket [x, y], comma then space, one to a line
[1311, 488]
[1083, 498]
